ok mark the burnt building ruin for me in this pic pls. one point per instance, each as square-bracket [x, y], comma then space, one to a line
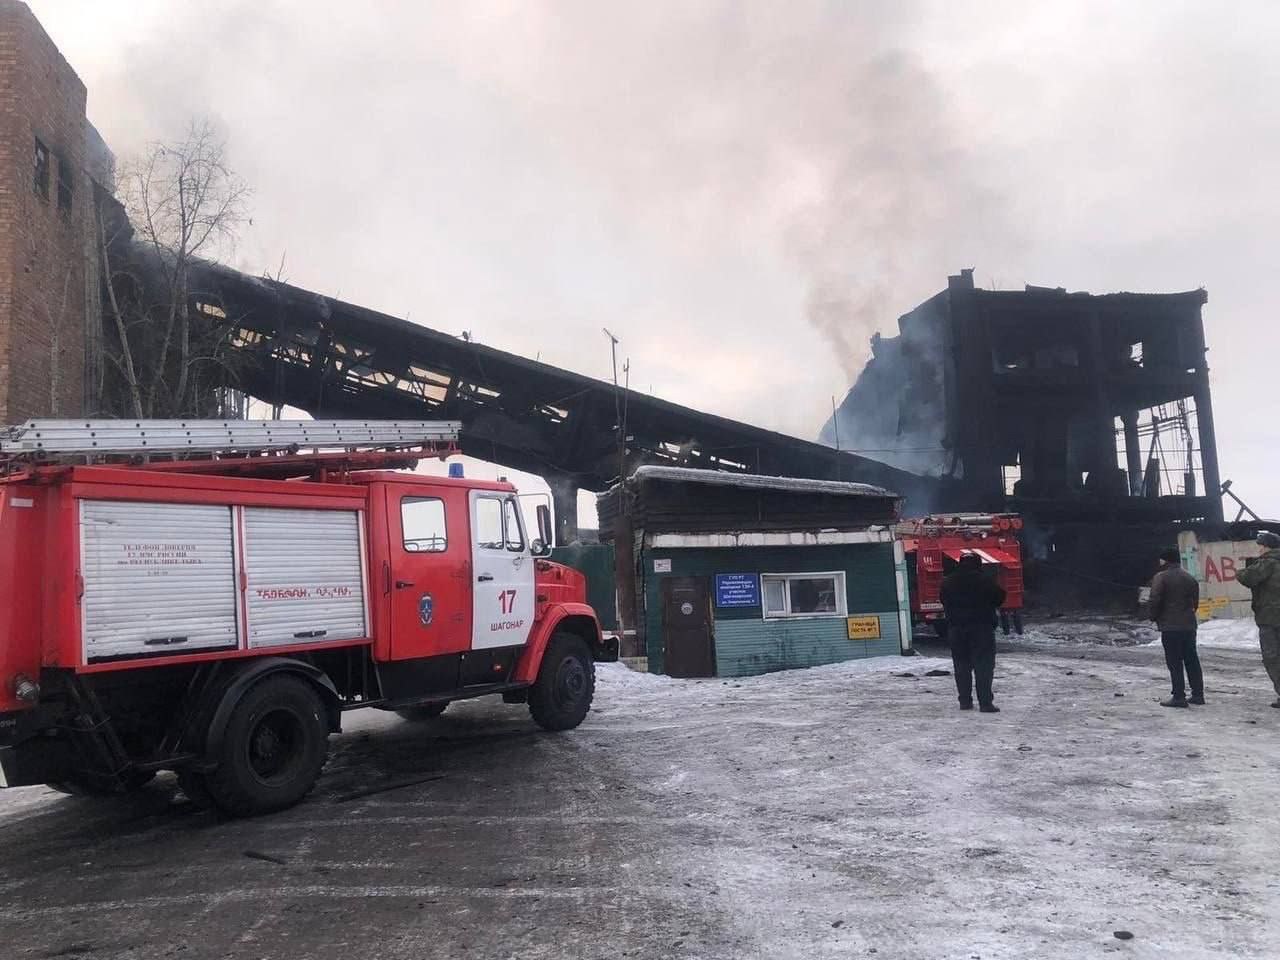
[1089, 414]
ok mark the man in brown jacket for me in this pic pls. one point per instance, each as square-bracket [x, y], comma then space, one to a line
[1175, 595]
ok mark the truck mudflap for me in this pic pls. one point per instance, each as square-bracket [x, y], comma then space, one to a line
[44, 760]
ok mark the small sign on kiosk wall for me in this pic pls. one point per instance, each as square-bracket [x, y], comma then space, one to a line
[864, 628]
[737, 590]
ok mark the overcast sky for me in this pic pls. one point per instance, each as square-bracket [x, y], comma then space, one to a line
[743, 192]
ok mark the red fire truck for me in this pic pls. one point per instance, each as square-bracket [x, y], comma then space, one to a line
[933, 545]
[210, 598]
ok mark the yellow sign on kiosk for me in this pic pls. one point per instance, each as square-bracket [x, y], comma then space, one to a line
[864, 628]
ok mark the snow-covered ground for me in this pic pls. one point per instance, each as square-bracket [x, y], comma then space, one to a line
[1228, 635]
[859, 813]
[1123, 632]
[845, 811]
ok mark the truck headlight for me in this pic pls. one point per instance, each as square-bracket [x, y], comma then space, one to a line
[26, 689]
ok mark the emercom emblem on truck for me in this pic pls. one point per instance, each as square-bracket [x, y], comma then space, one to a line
[425, 609]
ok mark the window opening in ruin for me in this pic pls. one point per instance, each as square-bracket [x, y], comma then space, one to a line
[66, 185]
[211, 310]
[1167, 456]
[1011, 474]
[41, 171]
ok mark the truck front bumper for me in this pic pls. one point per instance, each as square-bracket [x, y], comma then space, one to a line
[28, 754]
[606, 650]
[35, 762]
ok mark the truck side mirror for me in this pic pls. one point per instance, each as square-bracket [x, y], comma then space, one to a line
[542, 546]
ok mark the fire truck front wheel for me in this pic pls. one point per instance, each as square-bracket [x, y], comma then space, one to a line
[561, 696]
[275, 745]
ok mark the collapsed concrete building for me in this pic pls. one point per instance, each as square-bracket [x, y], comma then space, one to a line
[1089, 414]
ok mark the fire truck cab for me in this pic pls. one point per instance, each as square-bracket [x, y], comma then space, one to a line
[933, 545]
[216, 615]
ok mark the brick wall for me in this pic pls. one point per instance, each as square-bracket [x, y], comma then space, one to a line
[44, 286]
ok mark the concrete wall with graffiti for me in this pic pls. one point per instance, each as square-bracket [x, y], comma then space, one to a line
[1215, 564]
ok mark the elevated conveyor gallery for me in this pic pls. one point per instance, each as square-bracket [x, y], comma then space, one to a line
[335, 359]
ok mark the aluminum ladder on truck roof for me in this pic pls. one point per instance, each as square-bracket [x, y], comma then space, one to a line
[108, 437]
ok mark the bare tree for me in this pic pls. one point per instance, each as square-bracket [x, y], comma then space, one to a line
[184, 206]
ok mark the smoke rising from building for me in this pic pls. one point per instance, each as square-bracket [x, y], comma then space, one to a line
[895, 411]
[719, 182]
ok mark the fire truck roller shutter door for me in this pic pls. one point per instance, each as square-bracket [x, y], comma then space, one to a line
[158, 578]
[306, 578]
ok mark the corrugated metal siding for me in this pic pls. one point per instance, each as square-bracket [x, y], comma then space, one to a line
[304, 575]
[154, 573]
[1215, 564]
[749, 647]
[870, 579]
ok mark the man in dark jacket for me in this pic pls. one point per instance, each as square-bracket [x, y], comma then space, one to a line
[1175, 595]
[970, 601]
[1262, 577]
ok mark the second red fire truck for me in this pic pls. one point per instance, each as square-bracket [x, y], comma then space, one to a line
[210, 598]
[934, 544]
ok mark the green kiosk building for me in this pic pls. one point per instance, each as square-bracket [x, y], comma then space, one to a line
[729, 575]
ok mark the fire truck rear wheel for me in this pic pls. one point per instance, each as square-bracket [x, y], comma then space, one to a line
[274, 747]
[426, 711]
[561, 696]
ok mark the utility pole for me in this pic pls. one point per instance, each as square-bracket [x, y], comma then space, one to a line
[617, 408]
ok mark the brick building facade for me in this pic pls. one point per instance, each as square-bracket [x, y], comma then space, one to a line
[49, 282]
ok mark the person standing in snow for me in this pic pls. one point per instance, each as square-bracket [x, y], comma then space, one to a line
[1262, 576]
[970, 601]
[1175, 595]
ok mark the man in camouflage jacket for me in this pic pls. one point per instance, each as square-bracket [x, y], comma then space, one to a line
[1262, 576]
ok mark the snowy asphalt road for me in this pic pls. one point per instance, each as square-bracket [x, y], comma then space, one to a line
[824, 813]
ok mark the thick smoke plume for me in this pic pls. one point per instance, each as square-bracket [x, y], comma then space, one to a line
[895, 411]
[806, 130]
[804, 142]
